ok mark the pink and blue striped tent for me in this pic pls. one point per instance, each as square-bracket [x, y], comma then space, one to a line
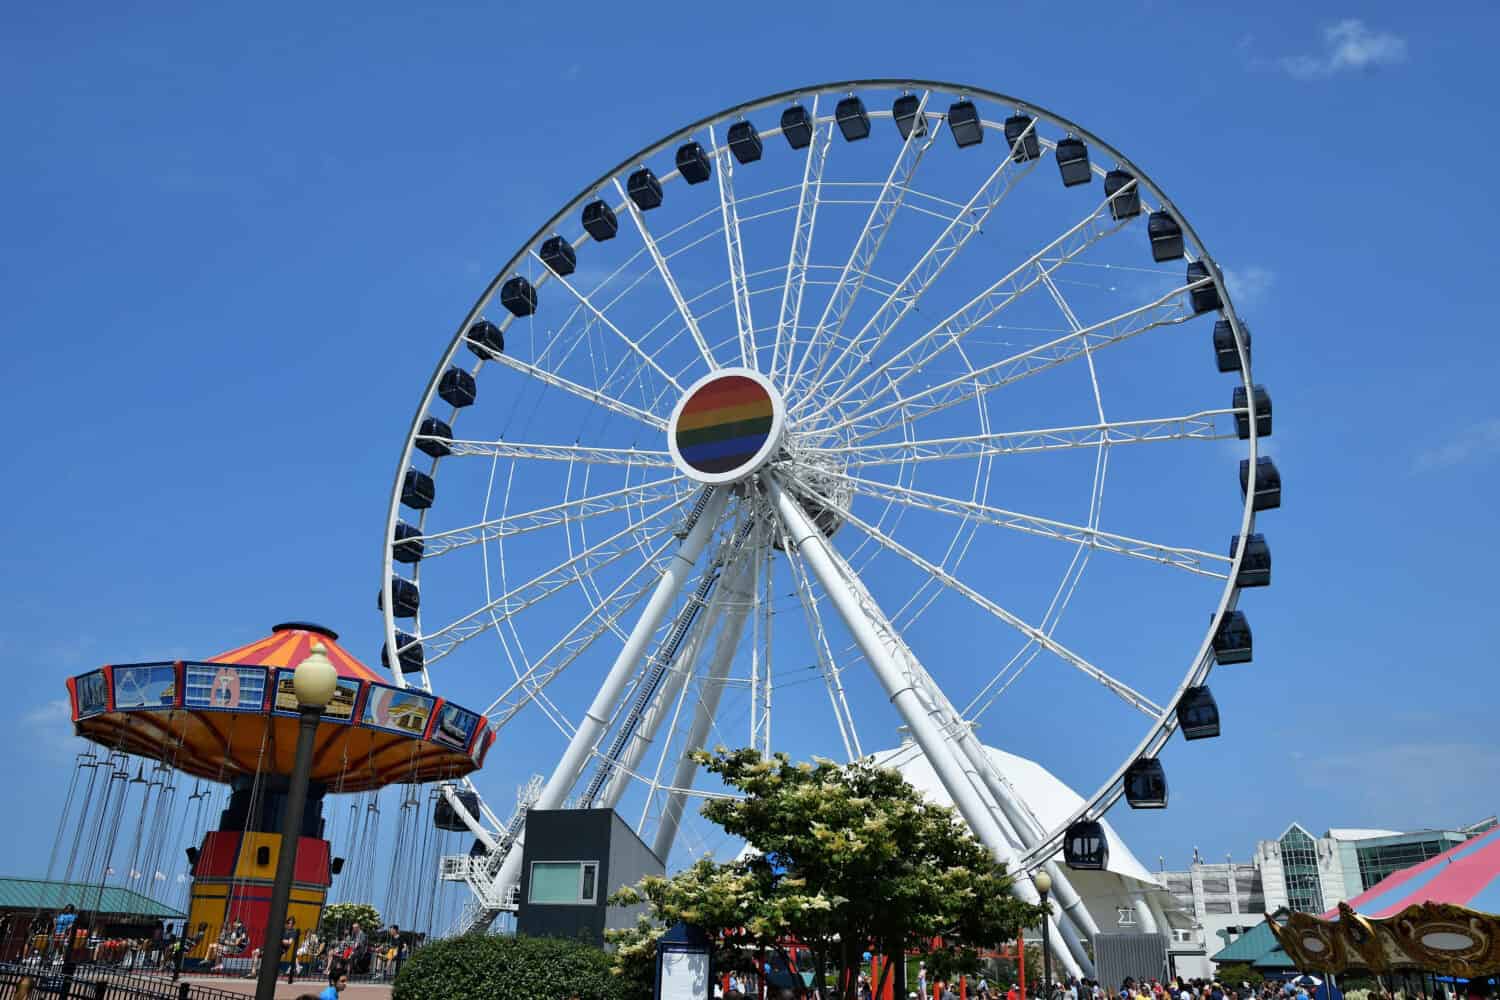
[1465, 875]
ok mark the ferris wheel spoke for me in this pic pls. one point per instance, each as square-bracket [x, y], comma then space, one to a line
[734, 249]
[802, 237]
[593, 310]
[1193, 561]
[604, 617]
[666, 276]
[1204, 425]
[1117, 687]
[932, 343]
[877, 225]
[1167, 310]
[923, 274]
[596, 396]
[596, 557]
[570, 512]
[576, 453]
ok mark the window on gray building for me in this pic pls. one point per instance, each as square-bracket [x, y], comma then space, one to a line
[1375, 863]
[1299, 860]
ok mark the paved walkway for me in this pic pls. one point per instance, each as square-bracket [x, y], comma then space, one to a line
[246, 987]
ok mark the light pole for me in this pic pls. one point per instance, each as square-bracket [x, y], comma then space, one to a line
[1043, 883]
[314, 682]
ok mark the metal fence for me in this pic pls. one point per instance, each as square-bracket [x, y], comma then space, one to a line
[92, 982]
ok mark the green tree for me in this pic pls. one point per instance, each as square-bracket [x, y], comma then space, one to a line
[848, 857]
[339, 917]
[1237, 973]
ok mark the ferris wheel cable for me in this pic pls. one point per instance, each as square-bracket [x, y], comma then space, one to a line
[734, 250]
[1119, 688]
[552, 516]
[925, 272]
[586, 394]
[872, 236]
[848, 732]
[1166, 310]
[551, 581]
[802, 231]
[982, 308]
[586, 303]
[666, 275]
[1199, 426]
[1180, 557]
[574, 643]
[1075, 327]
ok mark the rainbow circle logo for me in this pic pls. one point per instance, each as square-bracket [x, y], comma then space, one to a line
[727, 425]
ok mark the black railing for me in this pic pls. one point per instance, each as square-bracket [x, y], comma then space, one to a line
[94, 982]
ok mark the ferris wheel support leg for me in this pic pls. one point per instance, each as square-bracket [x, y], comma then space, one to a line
[1020, 822]
[596, 720]
[903, 683]
[1143, 913]
[737, 599]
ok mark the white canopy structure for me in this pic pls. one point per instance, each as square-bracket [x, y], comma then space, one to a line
[1125, 896]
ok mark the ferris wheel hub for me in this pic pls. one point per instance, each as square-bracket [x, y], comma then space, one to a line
[727, 425]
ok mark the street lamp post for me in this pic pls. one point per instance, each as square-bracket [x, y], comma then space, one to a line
[314, 682]
[1043, 883]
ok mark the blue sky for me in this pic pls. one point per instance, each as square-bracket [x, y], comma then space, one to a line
[236, 241]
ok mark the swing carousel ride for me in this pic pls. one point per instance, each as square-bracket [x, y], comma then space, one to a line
[229, 724]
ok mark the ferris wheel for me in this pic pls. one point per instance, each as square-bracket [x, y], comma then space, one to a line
[808, 422]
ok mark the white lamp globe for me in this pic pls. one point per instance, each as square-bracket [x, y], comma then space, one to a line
[1043, 882]
[315, 679]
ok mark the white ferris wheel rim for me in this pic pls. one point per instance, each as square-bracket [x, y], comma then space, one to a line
[1101, 799]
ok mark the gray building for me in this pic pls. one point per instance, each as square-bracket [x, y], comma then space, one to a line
[572, 861]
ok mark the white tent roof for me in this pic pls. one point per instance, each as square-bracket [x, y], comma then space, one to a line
[1354, 833]
[1048, 798]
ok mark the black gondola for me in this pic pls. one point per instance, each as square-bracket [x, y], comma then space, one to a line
[486, 340]
[434, 438]
[1205, 298]
[904, 114]
[1122, 204]
[964, 123]
[599, 221]
[411, 657]
[1267, 483]
[406, 543]
[796, 125]
[853, 119]
[1020, 134]
[644, 189]
[445, 818]
[1085, 846]
[457, 388]
[744, 142]
[692, 163]
[1073, 161]
[1241, 401]
[417, 489]
[405, 598]
[518, 296]
[557, 253]
[1198, 714]
[1233, 641]
[1226, 354]
[1166, 237]
[1255, 568]
[1146, 784]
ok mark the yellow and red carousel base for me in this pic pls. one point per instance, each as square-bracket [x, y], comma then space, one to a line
[232, 881]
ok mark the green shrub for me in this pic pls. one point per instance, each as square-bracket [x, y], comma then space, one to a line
[496, 967]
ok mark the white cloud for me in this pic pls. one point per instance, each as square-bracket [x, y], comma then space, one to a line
[1475, 443]
[49, 731]
[1413, 783]
[1248, 286]
[1348, 46]
[49, 713]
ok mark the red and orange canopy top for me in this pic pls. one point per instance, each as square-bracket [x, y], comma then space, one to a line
[236, 714]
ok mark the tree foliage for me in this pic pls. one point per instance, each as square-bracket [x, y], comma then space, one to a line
[339, 917]
[847, 858]
[497, 967]
[1236, 973]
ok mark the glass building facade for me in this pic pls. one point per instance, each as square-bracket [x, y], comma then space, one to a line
[1299, 861]
[1380, 859]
